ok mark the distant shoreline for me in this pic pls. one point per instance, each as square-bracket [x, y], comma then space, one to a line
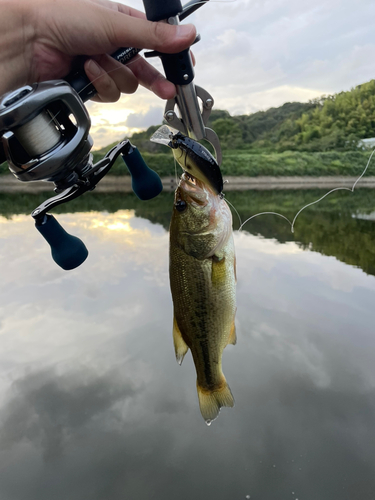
[111, 183]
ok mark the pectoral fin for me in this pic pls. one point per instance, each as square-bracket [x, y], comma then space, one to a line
[218, 273]
[232, 336]
[180, 345]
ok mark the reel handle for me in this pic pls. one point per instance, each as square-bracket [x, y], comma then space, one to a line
[67, 251]
[146, 183]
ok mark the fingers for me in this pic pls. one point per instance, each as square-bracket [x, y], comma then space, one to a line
[146, 34]
[82, 27]
[110, 78]
[119, 7]
[150, 78]
[157, 36]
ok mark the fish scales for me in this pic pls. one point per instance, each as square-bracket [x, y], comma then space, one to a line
[202, 278]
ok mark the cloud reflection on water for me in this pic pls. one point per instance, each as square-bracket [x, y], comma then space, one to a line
[95, 406]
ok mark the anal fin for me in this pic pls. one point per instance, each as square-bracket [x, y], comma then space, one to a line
[180, 346]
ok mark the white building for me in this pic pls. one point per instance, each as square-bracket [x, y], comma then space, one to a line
[367, 143]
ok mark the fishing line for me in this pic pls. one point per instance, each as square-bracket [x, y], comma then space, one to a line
[235, 209]
[38, 135]
[314, 202]
[212, 1]
[292, 224]
[134, 60]
[175, 171]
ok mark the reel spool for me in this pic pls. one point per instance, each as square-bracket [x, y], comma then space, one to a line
[44, 132]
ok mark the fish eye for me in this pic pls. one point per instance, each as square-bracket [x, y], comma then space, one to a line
[180, 205]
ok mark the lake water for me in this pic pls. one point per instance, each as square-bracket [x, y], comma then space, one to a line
[93, 404]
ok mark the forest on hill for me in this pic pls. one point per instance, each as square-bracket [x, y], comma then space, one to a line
[334, 122]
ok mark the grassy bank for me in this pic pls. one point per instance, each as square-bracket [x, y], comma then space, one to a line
[238, 163]
[275, 164]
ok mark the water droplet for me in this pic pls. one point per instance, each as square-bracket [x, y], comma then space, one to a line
[274, 465]
[247, 496]
[208, 422]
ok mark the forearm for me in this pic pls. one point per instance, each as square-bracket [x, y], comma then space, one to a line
[16, 35]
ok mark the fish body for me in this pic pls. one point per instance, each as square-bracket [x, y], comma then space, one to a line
[203, 286]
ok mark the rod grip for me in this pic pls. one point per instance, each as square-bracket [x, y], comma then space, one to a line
[82, 85]
[157, 11]
[146, 183]
[67, 251]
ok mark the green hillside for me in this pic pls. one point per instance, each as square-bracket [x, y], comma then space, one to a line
[335, 122]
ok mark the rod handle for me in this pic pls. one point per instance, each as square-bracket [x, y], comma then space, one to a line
[67, 251]
[158, 11]
[82, 85]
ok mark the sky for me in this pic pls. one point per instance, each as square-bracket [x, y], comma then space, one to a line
[255, 55]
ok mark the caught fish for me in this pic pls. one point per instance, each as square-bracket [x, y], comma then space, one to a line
[202, 273]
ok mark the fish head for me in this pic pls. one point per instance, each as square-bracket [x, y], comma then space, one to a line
[201, 220]
[193, 203]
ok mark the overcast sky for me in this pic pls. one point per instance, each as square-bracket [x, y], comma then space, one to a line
[257, 54]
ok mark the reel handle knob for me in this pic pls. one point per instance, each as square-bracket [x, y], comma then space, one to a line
[67, 251]
[146, 183]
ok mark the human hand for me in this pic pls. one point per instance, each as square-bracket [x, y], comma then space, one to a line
[40, 39]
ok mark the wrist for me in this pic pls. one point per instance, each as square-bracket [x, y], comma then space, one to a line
[16, 36]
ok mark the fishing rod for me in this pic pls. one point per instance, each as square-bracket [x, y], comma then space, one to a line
[44, 133]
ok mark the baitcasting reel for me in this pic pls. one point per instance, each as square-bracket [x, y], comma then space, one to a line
[44, 133]
[45, 137]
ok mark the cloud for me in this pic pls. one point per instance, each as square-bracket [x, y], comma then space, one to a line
[153, 116]
[249, 50]
[48, 408]
[93, 402]
[257, 55]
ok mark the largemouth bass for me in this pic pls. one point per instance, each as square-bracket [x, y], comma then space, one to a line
[203, 280]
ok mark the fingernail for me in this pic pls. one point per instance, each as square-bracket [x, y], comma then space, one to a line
[185, 30]
[94, 68]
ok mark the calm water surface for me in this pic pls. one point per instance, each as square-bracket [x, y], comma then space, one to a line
[94, 405]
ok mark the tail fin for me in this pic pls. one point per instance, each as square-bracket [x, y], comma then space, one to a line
[210, 402]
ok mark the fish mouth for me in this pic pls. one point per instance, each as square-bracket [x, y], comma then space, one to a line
[192, 189]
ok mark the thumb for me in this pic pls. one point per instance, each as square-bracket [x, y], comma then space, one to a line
[99, 29]
[145, 34]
